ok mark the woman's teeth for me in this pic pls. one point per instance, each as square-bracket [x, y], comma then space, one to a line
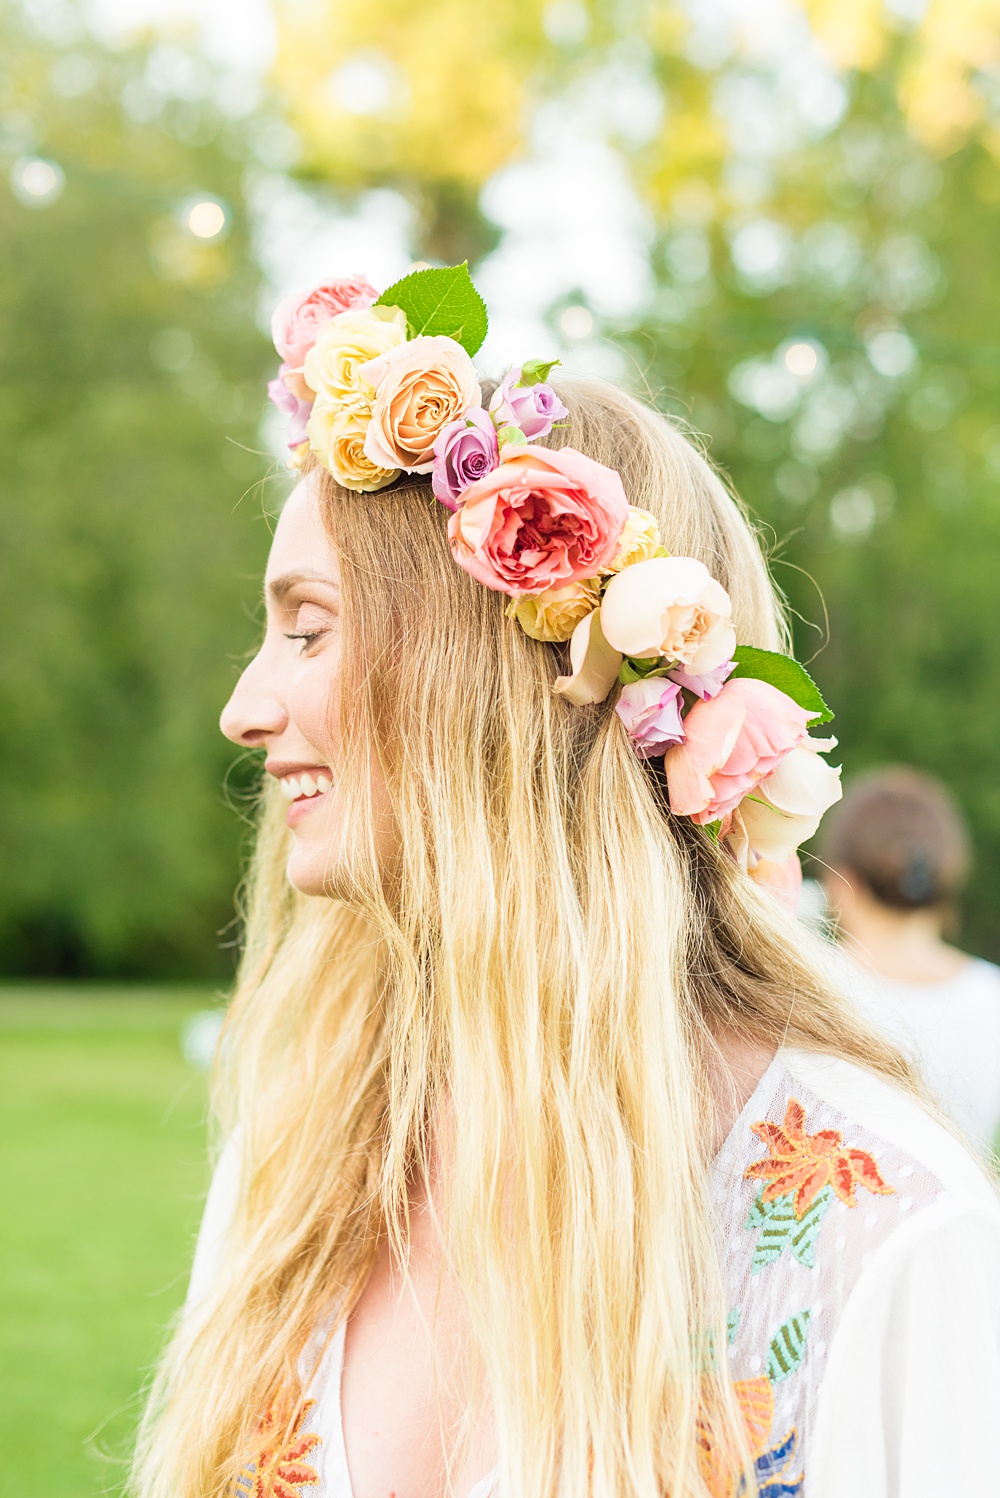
[294, 786]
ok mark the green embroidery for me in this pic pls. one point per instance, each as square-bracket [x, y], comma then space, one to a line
[732, 1322]
[779, 1228]
[788, 1347]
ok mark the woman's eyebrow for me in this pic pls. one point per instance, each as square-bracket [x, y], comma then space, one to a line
[280, 587]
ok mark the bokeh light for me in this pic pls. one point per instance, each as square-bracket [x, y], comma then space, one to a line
[576, 322]
[206, 218]
[37, 182]
[801, 360]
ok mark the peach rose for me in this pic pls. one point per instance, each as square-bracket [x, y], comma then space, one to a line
[298, 318]
[731, 742]
[638, 540]
[346, 345]
[670, 606]
[337, 437]
[543, 518]
[420, 388]
[554, 614]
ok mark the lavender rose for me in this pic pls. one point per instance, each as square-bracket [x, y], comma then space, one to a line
[709, 684]
[289, 404]
[651, 711]
[464, 451]
[533, 408]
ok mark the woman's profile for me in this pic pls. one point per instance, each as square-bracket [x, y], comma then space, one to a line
[553, 1165]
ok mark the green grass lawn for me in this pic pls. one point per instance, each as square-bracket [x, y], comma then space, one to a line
[102, 1158]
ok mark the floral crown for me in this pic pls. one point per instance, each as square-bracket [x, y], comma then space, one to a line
[377, 386]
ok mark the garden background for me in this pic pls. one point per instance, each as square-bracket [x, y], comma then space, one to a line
[776, 217]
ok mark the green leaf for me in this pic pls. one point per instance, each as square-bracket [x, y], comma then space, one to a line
[712, 830]
[786, 674]
[636, 670]
[511, 436]
[441, 302]
[778, 1228]
[537, 371]
[788, 1347]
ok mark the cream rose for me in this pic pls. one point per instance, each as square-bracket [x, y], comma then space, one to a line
[554, 614]
[593, 662]
[669, 606]
[345, 345]
[420, 387]
[784, 809]
[337, 437]
[637, 542]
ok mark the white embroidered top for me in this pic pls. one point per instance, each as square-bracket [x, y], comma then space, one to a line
[861, 1247]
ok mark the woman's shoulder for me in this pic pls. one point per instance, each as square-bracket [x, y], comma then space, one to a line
[833, 1191]
[828, 1160]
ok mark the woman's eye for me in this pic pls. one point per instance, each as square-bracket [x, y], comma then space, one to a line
[307, 636]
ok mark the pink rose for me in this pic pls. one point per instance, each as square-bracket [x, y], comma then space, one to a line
[298, 317]
[732, 741]
[420, 387]
[670, 606]
[544, 517]
[651, 711]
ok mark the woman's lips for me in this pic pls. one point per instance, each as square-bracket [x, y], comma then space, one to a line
[303, 789]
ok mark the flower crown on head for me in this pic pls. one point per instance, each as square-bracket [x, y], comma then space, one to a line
[377, 386]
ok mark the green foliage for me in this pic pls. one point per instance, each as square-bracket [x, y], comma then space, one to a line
[632, 669]
[102, 1151]
[784, 673]
[441, 301]
[131, 534]
[875, 480]
[537, 371]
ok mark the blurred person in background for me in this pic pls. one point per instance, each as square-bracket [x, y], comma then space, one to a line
[896, 851]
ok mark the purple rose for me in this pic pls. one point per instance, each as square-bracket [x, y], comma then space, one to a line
[709, 685]
[289, 404]
[464, 451]
[651, 711]
[533, 408]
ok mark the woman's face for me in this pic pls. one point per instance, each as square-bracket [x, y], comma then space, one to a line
[286, 701]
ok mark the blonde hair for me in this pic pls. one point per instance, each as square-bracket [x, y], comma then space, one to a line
[554, 959]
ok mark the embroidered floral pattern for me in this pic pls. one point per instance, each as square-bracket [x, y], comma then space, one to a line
[801, 1165]
[281, 1469]
[780, 1228]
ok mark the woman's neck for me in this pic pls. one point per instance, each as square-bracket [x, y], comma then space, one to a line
[899, 944]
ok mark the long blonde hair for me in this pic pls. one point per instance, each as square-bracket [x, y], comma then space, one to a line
[554, 959]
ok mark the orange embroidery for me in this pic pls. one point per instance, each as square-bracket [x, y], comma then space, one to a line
[281, 1470]
[718, 1459]
[804, 1163]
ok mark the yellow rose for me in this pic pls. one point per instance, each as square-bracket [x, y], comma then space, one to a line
[337, 436]
[420, 388]
[554, 614]
[344, 345]
[638, 540]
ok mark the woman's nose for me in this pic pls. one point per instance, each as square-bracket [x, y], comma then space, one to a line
[254, 712]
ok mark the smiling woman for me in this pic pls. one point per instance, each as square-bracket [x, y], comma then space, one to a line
[555, 1166]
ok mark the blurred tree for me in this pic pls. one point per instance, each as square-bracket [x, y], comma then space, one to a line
[824, 185]
[131, 532]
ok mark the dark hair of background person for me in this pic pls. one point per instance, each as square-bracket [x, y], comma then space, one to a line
[901, 833]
